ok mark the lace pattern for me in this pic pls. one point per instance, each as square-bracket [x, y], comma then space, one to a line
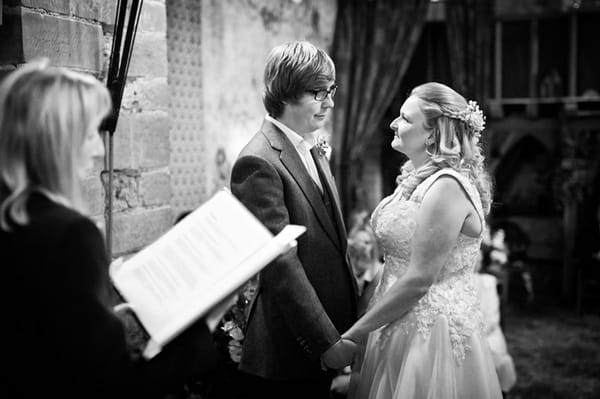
[453, 294]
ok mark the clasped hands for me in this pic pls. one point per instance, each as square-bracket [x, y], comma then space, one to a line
[339, 355]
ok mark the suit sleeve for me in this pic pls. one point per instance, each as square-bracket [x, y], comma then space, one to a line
[259, 187]
[90, 339]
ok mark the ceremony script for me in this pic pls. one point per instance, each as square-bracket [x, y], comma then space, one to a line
[203, 259]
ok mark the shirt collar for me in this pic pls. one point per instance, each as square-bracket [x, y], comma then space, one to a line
[308, 139]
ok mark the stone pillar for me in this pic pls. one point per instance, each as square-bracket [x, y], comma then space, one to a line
[142, 193]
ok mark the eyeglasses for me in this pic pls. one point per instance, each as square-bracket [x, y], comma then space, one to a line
[321, 94]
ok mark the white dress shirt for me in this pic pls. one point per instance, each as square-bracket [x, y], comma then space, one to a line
[302, 144]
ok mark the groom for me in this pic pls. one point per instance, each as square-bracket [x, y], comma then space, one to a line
[307, 295]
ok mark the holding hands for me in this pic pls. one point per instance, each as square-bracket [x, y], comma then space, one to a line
[339, 355]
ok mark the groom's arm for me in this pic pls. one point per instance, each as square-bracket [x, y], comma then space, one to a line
[256, 183]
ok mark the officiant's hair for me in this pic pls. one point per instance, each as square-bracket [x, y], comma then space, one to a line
[291, 69]
[45, 113]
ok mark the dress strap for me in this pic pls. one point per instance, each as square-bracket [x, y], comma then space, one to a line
[465, 183]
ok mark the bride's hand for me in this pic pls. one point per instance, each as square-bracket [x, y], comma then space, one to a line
[355, 337]
[339, 355]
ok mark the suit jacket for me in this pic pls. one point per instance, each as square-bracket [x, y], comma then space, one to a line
[60, 337]
[308, 295]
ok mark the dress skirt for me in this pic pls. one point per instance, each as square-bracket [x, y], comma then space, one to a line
[399, 362]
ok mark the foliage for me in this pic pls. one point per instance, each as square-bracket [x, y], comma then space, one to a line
[223, 382]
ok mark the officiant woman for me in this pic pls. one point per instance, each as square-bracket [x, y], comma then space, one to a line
[60, 335]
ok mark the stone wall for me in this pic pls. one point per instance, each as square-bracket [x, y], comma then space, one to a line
[142, 194]
[193, 96]
[78, 34]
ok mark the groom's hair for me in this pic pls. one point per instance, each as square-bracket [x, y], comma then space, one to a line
[292, 69]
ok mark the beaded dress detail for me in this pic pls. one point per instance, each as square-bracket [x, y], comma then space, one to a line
[438, 348]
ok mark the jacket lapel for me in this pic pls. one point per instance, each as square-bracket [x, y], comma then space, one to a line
[329, 184]
[291, 160]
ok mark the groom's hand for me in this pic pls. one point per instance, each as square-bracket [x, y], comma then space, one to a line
[339, 355]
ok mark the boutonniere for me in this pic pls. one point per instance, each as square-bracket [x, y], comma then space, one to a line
[323, 148]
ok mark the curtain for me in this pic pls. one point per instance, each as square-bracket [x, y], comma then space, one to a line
[470, 30]
[373, 46]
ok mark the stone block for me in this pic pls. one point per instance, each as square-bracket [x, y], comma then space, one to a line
[126, 189]
[154, 17]
[57, 6]
[155, 188]
[96, 10]
[11, 44]
[149, 56]
[146, 94]
[150, 132]
[134, 230]
[122, 142]
[65, 42]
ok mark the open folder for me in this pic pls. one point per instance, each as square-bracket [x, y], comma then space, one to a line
[204, 258]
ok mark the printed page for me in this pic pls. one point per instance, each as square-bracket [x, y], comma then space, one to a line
[205, 257]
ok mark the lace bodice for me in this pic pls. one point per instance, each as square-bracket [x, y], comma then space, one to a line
[453, 294]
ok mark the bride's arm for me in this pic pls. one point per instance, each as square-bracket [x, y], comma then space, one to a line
[441, 216]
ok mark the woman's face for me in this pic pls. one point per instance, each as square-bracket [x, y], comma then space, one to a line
[409, 129]
[92, 148]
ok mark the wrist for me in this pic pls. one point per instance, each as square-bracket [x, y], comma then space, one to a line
[336, 343]
[355, 335]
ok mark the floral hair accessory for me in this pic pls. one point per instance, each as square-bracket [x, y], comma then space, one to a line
[472, 116]
[323, 147]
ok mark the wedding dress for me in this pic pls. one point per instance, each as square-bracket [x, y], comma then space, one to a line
[437, 349]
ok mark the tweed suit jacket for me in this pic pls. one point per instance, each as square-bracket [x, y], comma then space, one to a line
[307, 296]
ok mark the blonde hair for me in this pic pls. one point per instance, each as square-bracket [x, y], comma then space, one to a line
[455, 127]
[45, 113]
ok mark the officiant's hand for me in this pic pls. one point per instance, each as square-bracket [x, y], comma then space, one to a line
[218, 311]
[339, 355]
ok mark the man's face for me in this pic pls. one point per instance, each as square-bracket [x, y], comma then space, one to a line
[308, 114]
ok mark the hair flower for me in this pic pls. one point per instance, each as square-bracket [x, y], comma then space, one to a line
[323, 148]
[473, 116]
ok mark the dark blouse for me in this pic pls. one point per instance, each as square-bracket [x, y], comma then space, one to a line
[60, 335]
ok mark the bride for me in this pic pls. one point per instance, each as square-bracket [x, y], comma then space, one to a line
[423, 330]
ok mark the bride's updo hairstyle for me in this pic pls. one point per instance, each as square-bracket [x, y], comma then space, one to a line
[455, 127]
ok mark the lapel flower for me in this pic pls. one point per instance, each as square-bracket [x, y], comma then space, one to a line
[323, 148]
